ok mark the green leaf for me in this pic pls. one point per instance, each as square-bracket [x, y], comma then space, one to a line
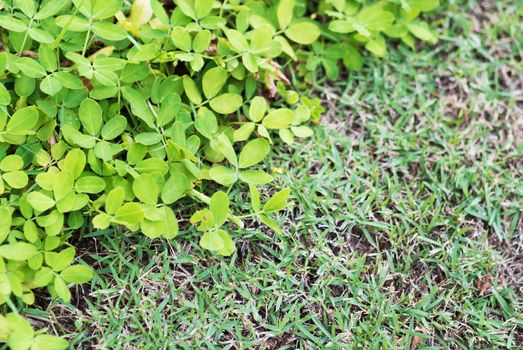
[74, 162]
[146, 52]
[11, 162]
[226, 103]
[59, 261]
[286, 47]
[219, 208]
[31, 67]
[191, 90]
[114, 127]
[139, 106]
[201, 41]
[6, 219]
[110, 64]
[73, 23]
[262, 38]
[277, 202]
[129, 214]
[254, 152]
[373, 18]
[89, 184]
[75, 137]
[152, 165]
[90, 115]
[270, 223]
[40, 201]
[237, 40]
[422, 31]
[5, 98]
[62, 184]
[68, 80]
[255, 177]
[353, 60]
[148, 138]
[107, 79]
[257, 108]
[48, 342]
[146, 189]
[84, 6]
[77, 274]
[424, 5]
[109, 31]
[206, 123]
[50, 8]
[104, 150]
[30, 231]
[186, 7]
[278, 119]
[114, 200]
[21, 333]
[250, 62]
[255, 198]
[171, 224]
[202, 8]
[43, 277]
[244, 132]
[181, 38]
[50, 85]
[302, 131]
[212, 241]
[12, 24]
[284, 12]
[228, 244]
[103, 9]
[16, 179]
[342, 26]
[61, 289]
[377, 46]
[213, 22]
[40, 36]
[174, 188]
[223, 175]
[286, 136]
[213, 81]
[102, 221]
[303, 32]
[223, 145]
[27, 7]
[23, 120]
[17, 251]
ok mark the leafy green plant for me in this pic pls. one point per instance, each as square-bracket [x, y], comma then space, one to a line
[112, 113]
[350, 26]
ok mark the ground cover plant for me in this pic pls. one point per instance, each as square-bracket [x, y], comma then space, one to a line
[127, 114]
[406, 231]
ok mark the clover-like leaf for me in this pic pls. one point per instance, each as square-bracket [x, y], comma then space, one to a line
[146, 189]
[77, 274]
[226, 103]
[40, 201]
[213, 81]
[303, 32]
[254, 152]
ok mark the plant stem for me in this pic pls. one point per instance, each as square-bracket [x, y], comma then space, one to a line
[87, 38]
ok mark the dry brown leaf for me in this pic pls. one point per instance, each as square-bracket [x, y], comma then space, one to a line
[416, 341]
[484, 284]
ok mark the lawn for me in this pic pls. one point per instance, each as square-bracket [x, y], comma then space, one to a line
[406, 230]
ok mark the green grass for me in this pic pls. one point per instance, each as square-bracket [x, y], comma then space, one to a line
[407, 228]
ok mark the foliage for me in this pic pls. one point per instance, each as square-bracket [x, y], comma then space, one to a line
[120, 122]
[352, 26]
